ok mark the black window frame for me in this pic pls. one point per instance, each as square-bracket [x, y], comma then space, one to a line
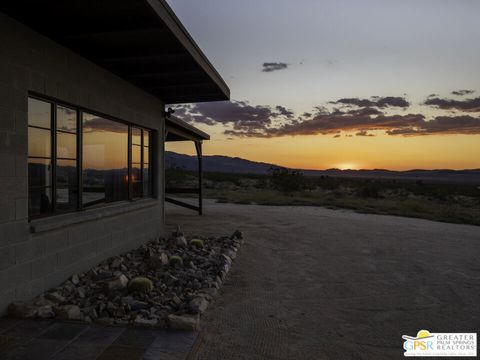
[54, 104]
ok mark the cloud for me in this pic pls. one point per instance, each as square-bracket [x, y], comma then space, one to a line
[462, 92]
[289, 114]
[331, 124]
[364, 133]
[466, 125]
[99, 124]
[241, 119]
[381, 102]
[242, 116]
[468, 105]
[274, 66]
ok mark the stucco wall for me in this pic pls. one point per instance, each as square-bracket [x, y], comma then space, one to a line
[31, 262]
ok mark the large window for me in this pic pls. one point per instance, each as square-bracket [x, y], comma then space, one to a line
[77, 159]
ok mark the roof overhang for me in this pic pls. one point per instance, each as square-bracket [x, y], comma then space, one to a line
[179, 130]
[141, 41]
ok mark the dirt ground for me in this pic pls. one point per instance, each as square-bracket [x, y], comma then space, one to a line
[313, 283]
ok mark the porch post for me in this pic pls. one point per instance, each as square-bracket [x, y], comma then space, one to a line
[198, 147]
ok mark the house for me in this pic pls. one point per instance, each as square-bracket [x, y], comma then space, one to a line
[83, 88]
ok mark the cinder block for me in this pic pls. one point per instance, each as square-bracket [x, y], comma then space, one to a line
[21, 209]
[103, 243]
[44, 266]
[13, 188]
[7, 257]
[76, 254]
[55, 241]
[7, 164]
[7, 119]
[29, 290]
[37, 82]
[21, 122]
[21, 166]
[14, 275]
[29, 250]
[13, 233]
[77, 234]
[12, 143]
[7, 210]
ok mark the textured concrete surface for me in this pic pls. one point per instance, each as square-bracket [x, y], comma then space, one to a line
[22, 339]
[312, 283]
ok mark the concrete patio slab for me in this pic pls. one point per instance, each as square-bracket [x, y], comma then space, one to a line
[313, 283]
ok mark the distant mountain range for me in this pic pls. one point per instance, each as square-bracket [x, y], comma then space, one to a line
[226, 164]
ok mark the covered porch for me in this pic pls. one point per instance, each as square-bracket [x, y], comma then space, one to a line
[179, 130]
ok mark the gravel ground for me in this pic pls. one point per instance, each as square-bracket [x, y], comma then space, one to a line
[313, 283]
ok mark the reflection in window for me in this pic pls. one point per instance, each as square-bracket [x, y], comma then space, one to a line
[66, 190]
[141, 182]
[105, 160]
[54, 163]
[39, 157]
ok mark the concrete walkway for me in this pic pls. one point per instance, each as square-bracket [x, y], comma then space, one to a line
[38, 340]
[312, 283]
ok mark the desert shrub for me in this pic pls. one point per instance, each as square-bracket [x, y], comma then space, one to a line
[176, 176]
[176, 260]
[140, 284]
[286, 180]
[196, 243]
[368, 190]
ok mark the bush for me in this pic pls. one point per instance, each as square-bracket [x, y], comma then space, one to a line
[286, 180]
[369, 191]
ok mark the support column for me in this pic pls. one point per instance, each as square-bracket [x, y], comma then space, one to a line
[198, 147]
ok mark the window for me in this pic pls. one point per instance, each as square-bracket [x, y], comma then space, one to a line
[77, 159]
[39, 158]
[105, 160]
[140, 162]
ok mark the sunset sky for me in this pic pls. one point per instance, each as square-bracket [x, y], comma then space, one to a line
[341, 83]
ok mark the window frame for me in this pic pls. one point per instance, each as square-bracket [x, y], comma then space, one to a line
[79, 111]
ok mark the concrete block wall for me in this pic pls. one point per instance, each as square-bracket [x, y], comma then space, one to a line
[31, 262]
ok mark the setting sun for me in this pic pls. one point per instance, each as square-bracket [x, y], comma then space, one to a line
[347, 166]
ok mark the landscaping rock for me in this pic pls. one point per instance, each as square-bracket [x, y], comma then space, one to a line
[142, 322]
[22, 310]
[75, 280]
[182, 280]
[183, 322]
[119, 282]
[181, 241]
[55, 297]
[45, 312]
[157, 262]
[198, 305]
[69, 312]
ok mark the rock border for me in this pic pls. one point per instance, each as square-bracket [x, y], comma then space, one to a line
[163, 283]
